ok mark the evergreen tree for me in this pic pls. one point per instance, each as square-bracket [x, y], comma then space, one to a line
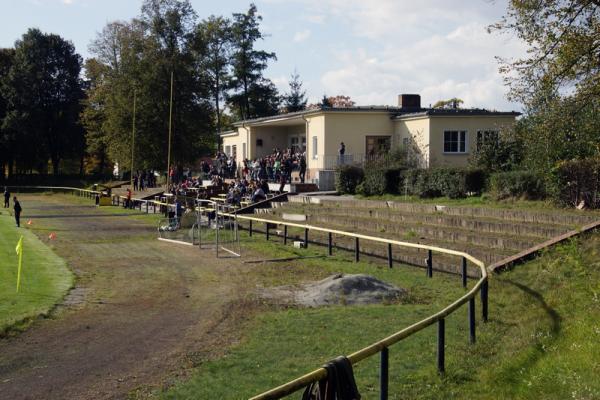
[213, 49]
[248, 65]
[296, 99]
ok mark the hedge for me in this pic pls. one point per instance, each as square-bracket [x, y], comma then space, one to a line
[437, 182]
[347, 178]
[379, 180]
[517, 184]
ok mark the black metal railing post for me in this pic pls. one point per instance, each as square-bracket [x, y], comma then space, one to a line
[441, 346]
[472, 319]
[285, 234]
[390, 260]
[484, 300]
[356, 250]
[330, 243]
[464, 272]
[250, 228]
[305, 238]
[267, 230]
[384, 374]
[429, 264]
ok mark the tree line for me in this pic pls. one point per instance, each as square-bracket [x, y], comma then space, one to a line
[55, 107]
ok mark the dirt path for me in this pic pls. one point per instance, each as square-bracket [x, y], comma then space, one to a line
[141, 309]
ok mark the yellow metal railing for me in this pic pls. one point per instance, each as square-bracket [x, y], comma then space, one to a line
[381, 346]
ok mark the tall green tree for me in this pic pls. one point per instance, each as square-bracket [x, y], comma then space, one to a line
[248, 64]
[558, 80]
[295, 100]
[213, 46]
[6, 135]
[43, 91]
[139, 57]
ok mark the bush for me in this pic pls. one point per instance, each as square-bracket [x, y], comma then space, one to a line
[576, 181]
[436, 182]
[517, 184]
[379, 180]
[347, 178]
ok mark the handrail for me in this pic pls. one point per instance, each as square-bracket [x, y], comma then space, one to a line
[54, 188]
[321, 373]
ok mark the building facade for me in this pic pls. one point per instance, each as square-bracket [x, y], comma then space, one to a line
[433, 137]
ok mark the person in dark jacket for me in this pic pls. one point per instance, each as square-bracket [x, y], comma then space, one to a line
[6, 198]
[18, 209]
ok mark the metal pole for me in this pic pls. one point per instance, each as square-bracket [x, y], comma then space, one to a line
[472, 320]
[384, 374]
[330, 243]
[484, 301]
[285, 228]
[441, 345]
[390, 260]
[267, 230]
[250, 228]
[464, 272]
[305, 238]
[133, 138]
[429, 264]
[170, 134]
[356, 250]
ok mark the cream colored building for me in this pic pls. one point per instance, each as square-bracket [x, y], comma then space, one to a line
[435, 137]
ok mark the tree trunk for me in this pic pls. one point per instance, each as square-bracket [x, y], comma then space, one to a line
[55, 162]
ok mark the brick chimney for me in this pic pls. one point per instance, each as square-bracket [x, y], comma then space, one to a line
[409, 101]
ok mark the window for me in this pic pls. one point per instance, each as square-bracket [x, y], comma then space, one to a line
[314, 147]
[234, 152]
[244, 154]
[455, 141]
[377, 145]
[486, 136]
[228, 150]
[405, 142]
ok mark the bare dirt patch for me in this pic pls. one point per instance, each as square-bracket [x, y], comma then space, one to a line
[141, 313]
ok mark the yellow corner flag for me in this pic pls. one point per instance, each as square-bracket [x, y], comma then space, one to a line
[19, 250]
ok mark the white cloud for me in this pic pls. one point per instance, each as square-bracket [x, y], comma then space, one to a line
[301, 36]
[67, 2]
[316, 18]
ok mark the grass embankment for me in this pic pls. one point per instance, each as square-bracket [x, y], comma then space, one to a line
[45, 278]
[540, 342]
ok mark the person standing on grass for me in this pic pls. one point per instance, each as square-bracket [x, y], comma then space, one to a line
[6, 197]
[18, 209]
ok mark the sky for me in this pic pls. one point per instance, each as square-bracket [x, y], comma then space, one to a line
[370, 50]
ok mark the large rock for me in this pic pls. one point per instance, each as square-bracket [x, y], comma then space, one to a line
[339, 289]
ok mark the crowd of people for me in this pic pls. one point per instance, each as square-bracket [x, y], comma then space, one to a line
[274, 167]
[143, 180]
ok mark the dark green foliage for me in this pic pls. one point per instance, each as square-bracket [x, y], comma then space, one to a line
[379, 180]
[437, 182]
[517, 184]
[254, 96]
[504, 154]
[576, 181]
[43, 93]
[347, 178]
[296, 99]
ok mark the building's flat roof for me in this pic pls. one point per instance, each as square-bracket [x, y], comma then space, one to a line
[395, 113]
[459, 112]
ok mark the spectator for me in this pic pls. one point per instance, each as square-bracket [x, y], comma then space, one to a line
[18, 209]
[6, 197]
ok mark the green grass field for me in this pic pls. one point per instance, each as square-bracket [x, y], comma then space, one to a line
[540, 342]
[45, 278]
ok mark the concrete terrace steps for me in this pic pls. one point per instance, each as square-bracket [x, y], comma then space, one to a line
[457, 223]
[452, 235]
[415, 257]
[567, 217]
[412, 256]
